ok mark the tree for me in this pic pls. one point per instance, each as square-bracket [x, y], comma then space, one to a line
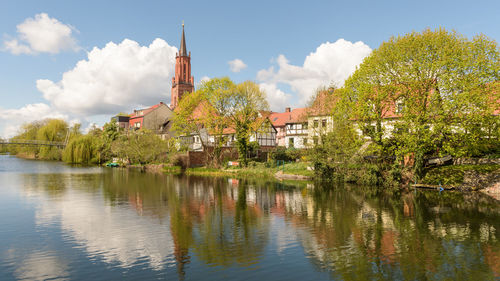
[247, 101]
[205, 113]
[141, 147]
[336, 149]
[441, 82]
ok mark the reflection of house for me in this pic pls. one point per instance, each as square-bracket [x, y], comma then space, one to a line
[156, 118]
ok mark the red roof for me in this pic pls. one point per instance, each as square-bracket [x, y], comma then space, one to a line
[297, 115]
[141, 112]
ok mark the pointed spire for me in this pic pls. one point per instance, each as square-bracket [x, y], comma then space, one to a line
[182, 50]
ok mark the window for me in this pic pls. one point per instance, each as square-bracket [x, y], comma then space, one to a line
[137, 124]
[316, 123]
[399, 106]
[315, 140]
[304, 126]
[290, 142]
[323, 123]
[304, 141]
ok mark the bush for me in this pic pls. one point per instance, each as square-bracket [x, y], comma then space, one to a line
[286, 154]
[293, 154]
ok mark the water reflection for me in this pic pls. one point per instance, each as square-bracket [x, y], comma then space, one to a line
[191, 227]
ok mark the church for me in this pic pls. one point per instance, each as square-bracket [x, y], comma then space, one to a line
[157, 118]
[182, 82]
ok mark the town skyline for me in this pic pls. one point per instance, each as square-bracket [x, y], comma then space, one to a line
[44, 78]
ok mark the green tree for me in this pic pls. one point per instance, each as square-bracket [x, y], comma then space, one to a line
[248, 101]
[55, 130]
[205, 113]
[442, 82]
[81, 150]
[337, 149]
[141, 147]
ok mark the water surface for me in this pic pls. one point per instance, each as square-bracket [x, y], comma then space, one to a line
[78, 223]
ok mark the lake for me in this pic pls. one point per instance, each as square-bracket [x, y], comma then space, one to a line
[88, 223]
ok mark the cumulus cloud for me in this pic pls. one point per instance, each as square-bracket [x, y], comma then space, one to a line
[14, 118]
[236, 65]
[276, 98]
[115, 78]
[204, 79]
[330, 63]
[42, 34]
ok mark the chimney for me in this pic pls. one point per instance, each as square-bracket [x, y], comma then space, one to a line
[287, 109]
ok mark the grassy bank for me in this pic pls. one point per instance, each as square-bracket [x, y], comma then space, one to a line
[255, 169]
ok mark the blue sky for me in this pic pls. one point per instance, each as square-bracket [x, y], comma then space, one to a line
[272, 38]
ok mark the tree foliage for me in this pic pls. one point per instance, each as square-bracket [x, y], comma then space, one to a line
[219, 104]
[248, 101]
[441, 81]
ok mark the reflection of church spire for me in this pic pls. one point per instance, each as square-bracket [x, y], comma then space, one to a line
[181, 256]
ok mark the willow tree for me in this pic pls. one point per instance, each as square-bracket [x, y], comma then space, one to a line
[437, 85]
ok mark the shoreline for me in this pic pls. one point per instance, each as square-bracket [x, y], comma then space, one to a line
[483, 178]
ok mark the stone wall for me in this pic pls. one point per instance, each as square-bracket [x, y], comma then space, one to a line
[475, 161]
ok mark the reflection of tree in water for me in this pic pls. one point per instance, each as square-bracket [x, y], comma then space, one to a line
[214, 219]
[410, 236]
[53, 184]
[233, 230]
[353, 233]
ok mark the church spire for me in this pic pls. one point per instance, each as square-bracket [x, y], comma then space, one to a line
[182, 81]
[182, 50]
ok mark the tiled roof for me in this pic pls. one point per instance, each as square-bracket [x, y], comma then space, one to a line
[279, 119]
[141, 112]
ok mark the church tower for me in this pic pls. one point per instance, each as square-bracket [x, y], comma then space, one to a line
[182, 81]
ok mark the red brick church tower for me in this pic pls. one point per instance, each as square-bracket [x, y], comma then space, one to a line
[182, 81]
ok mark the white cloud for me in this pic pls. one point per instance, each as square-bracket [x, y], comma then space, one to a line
[42, 34]
[99, 229]
[330, 63]
[276, 98]
[14, 118]
[115, 78]
[236, 65]
[204, 79]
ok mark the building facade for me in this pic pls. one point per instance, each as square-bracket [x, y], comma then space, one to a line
[156, 118]
[182, 82]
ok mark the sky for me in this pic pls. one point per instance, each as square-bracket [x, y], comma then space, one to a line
[84, 61]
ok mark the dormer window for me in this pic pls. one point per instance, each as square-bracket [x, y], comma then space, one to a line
[399, 106]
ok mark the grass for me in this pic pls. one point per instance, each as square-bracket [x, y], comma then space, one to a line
[254, 169]
[298, 168]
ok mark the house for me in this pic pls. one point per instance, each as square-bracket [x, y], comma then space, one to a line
[296, 129]
[262, 131]
[122, 121]
[156, 118]
[291, 119]
[319, 116]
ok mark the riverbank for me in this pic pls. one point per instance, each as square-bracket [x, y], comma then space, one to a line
[464, 177]
[290, 171]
